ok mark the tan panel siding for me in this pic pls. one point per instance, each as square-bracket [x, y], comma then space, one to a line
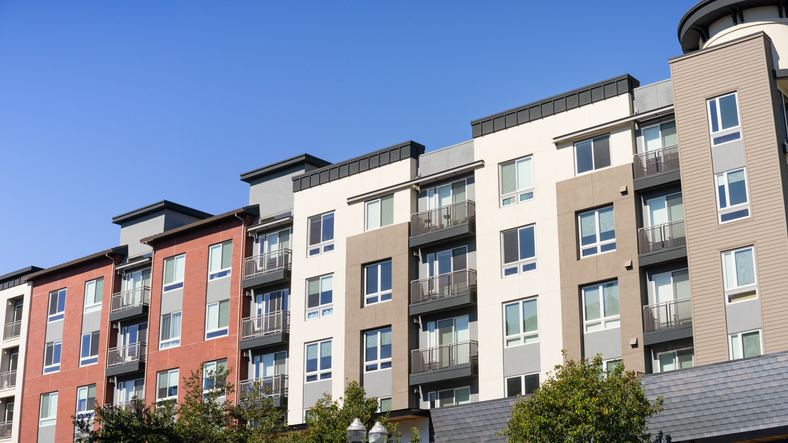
[744, 66]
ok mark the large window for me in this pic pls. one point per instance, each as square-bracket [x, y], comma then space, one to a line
[732, 201]
[217, 319]
[321, 234]
[377, 282]
[592, 154]
[672, 360]
[517, 181]
[220, 260]
[380, 212]
[86, 401]
[88, 354]
[319, 296]
[449, 397]
[659, 136]
[724, 119]
[739, 273]
[52, 357]
[378, 350]
[600, 307]
[521, 321]
[597, 231]
[173, 272]
[745, 344]
[93, 290]
[522, 385]
[318, 361]
[48, 414]
[210, 374]
[170, 331]
[519, 250]
[57, 305]
[167, 385]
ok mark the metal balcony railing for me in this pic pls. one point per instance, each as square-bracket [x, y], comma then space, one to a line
[271, 386]
[126, 354]
[443, 217]
[653, 162]
[260, 325]
[444, 285]
[444, 356]
[7, 379]
[6, 428]
[666, 235]
[124, 405]
[268, 262]
[12, 330]
[667, 315]
[130, 299]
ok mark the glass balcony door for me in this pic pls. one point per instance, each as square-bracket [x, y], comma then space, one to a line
[441, 267]
[129, 389]
[132, 285]
[444, 196]
[443, 336]
[668, 287]
[130, 337]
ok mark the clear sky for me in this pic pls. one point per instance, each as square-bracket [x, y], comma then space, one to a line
[109, 106]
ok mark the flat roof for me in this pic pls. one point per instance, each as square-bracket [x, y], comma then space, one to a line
[249, 210]
[273, 168]
[121, 251]
[158, 206]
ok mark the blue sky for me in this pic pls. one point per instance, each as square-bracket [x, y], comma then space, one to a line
[109, 106]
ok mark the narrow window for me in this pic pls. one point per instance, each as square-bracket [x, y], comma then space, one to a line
[732, 201]
[318, 361]
[211, 375]
[52, 357]
[173, 272]
[377, 282]
[57, 305]
[217, 319]
[321, 234]
[48, 414]
[597, 231]
[220, 260]
[739, 275]
[378, 350]
[384, 405]
[167, 385]
[170, 331]
[86, 401]
[380, 212]
[600, 307]
[521, 322]
[93, 293]
[724, 119]
[516, 181]
[319, 296]
[88, 354]
[519, 250]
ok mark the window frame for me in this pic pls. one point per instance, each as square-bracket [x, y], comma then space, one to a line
[436, 394]
[172, 342]
[95, 305]
[380, 405]
[89, 407]
[91, 359]
[720, 133]
[323, 246]
[380, 294]
[218, 331]
[522, 335]
[675, 358]
[223, 271]
[738, 290]
[659, 125]
[603, 319]
[593, 154]
[57, 350]
[176, 283]
[320, 373]
[322, 310]
[522, 265]
[522, 378]
[51, 418]
[519, 193]
[169, 373]
[599, 244]
[740, 335]
[215, 382]
[60, 312]
[379, 362]
[379, 200]
[731, 209]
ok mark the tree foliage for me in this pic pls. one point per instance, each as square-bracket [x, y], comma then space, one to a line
[582, 403]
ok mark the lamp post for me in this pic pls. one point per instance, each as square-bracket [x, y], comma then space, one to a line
[357, 433]
[378, 434]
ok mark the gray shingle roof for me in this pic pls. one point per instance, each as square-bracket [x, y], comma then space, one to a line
[476, 422]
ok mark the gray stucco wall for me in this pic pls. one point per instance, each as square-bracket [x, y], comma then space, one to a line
[314, 391]
[132, 231]
[446, 158]
[174, 219]
[274, 193]
[728, 156]
[54, 331]
[91, 322]
[653, 96]
[46, 434]
[171, 301]
[606, 342]
[524, 359]
[218, 289]
[743, 316]
[378, 383]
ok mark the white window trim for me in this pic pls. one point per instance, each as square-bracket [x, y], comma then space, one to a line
[656, 125]
[320, 309]
[675, 357]
[167, 287]
[454, 396]
[50, 420]
[87, 412]
[738, 337]
[81, 359]
[593, 157]
[262, 241]
[95, 306]
[172, 342]
[602, 319]
[380, 404]
[169, 397]
[54, 367]
[738, 207]
[380, 216]
[599, 243]
[323, 246]
[519, 263]
[434, 191]
[208, 331]
[522, 382]
[380, 293]
[606, 363]
[729, 292]
[224, 272]
[205, 371]
[722, 132]
[60, 314]
[320, 370]
[516, 195]
[522, 335]
[380, 361]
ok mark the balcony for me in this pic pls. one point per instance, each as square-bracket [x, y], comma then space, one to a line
[443, 292]
[667, 321]
[454, 221]
[272, 386]
[661, 243]
[12, 330]
[656, 168]
[269, 268]
[7, 380]
[126, 359]
[6, 428]
[130, 304]
[445, 362]
[265, 330]
[124, 405]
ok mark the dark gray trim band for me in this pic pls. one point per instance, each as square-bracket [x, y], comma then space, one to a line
[694, 25]
[158, 206]
[282, 165]
[15, 278]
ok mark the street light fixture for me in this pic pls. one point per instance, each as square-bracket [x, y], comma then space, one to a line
[378, 434]
[356, 432]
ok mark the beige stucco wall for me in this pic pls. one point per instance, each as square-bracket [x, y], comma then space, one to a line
[766, 19]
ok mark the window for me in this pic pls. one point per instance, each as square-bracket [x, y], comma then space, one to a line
[167, 385]
[600, 307]
[384, 404]
[784, 106]
[724, 119]
[660, 136]
[170, 331]
[522, 385]
[173, 272]
[608, 366]
[449, 397]
[378, 350]
[321, 234]
[88, 355]
[319, 296]
[57, 305]
[672, 360]
[318, 361]
[732, 202]
[517, 181]
[377, 282]
[220, 260]
[745, 344]
[52, 357]
[217, 319]
[519, 250]
[86, 401]
[592, 154]
[739, 273]
[48, 414]
[597, 231]
[521, 322]
[93, 290]
[380, 212]
[210, 372]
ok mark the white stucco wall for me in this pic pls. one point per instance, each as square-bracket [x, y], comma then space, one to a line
[24, 291]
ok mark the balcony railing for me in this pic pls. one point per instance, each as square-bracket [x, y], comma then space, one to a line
[666, 235]
[7, 379]
[443, 217]
[126, 354]
[12, 330]
[444, 356]
[6, 428]
[444, 285]
[653, 162]
[124, 405]
[271, 386]
[667, 315]
[260, 325]
[130, 299]
[268, 262]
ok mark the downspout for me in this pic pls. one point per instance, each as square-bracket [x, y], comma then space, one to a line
[240, 302]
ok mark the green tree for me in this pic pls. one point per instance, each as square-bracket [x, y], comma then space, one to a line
[582, 403]
[135, 423]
